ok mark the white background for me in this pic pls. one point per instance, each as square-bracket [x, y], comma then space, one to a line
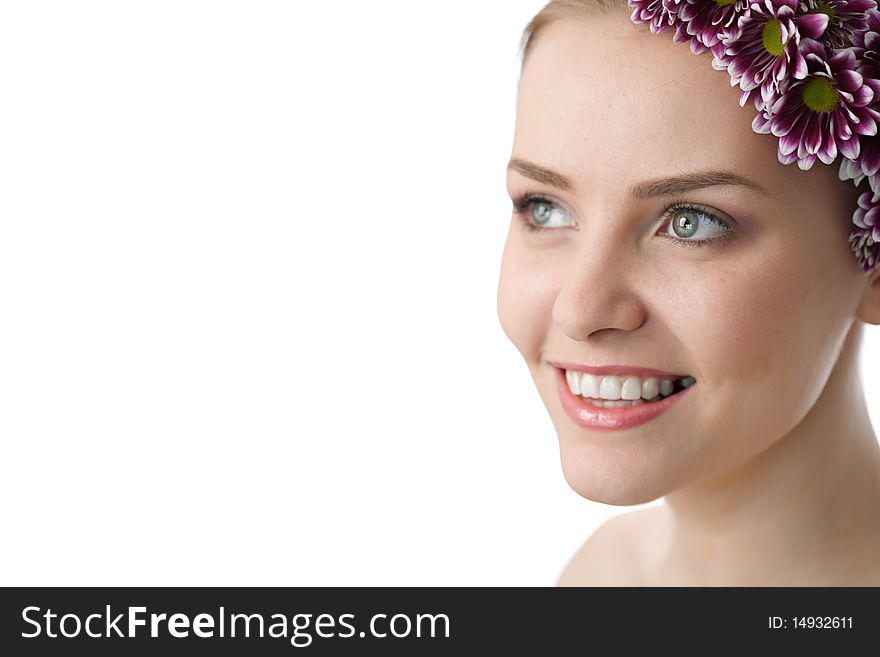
[248, 265]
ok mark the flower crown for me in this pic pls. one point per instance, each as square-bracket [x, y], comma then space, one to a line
[812, 70]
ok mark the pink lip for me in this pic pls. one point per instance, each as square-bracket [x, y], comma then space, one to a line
[617, 370]
[588, 416]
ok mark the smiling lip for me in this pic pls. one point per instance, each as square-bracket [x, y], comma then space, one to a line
[588, 416]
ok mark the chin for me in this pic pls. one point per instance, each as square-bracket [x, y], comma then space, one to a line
[609, 483]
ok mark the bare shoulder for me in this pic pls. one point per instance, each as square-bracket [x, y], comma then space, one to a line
[611, 555]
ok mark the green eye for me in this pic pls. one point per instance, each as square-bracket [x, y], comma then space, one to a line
[685, 223]
[541, 213]
[689, 225]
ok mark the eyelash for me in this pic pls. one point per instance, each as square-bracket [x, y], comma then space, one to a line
[521, 205]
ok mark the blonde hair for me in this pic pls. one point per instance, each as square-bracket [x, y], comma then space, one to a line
[558, 8]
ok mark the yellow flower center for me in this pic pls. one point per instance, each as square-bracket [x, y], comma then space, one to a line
[820, 95]
[724, 3]
[772, 37]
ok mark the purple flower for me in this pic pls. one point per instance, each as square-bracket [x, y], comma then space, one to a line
[867, 42]
[704, 19]
[865, 239]
[821, 113]
[846, 18]
[866, 45]
[658, 15]
[681, 36]
[762, 50]
[853, 169]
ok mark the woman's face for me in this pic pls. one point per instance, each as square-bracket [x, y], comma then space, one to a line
[757, 315]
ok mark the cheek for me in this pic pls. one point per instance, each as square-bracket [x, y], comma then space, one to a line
[742, 321]
[526, 293]
[767, 335]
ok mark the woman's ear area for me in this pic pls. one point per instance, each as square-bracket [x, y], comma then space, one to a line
[869, 307]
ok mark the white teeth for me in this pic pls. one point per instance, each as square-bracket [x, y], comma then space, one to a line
[590, 386]
[628, 390]
[631, 388]
[610, 387]
[650, 388]
[615, 404]
[573, 380]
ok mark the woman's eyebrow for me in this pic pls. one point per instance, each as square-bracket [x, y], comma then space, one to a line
[690, 181]
[646, 189]
[541, 174]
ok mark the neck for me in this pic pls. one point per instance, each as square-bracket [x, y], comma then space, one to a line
[804, 511]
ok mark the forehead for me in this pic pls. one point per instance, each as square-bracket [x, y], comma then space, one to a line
[601, 93]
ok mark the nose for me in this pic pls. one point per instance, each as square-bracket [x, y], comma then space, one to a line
[598, 294]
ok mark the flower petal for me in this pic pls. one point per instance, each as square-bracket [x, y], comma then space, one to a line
[848, 147]
[812, 25]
